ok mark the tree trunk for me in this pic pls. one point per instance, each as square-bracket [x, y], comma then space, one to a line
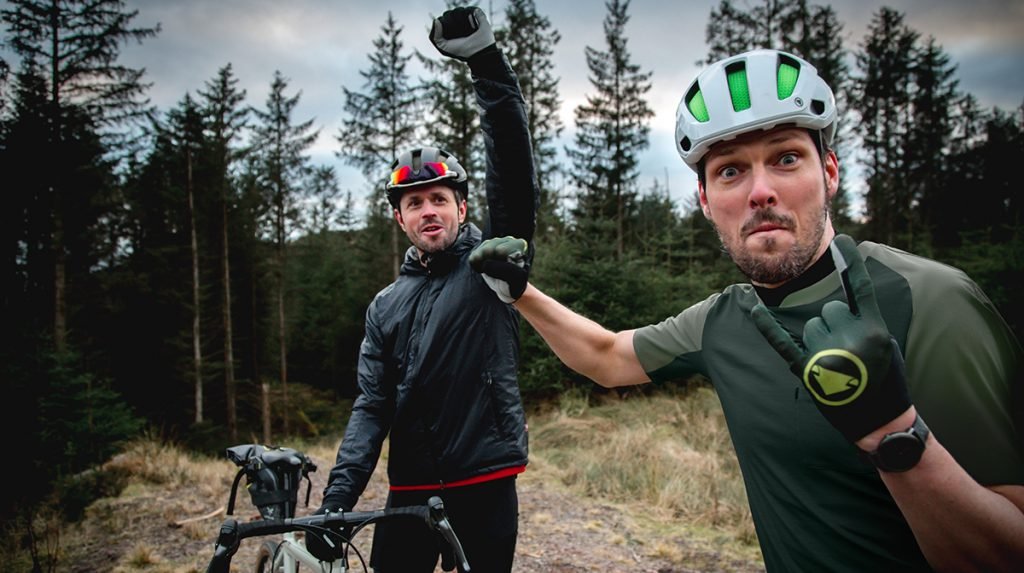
[619, 216]
[282, 330]
[256, 376]
[229, 352]
[60, 324]
[197, 353]
[284, 348]
[265, 401]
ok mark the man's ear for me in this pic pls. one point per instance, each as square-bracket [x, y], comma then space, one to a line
[462, 210]
[398, 217]
[702, 196]
[831, 167]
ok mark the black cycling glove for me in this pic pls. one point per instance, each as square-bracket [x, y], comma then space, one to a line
[849, 363]
[502, 262]
[323, 544]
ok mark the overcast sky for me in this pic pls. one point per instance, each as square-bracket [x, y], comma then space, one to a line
[322, 45]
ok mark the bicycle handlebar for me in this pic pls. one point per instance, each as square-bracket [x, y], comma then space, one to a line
[232, 532]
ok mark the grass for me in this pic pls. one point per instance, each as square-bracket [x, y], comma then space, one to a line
[666, 457]
[665, 460]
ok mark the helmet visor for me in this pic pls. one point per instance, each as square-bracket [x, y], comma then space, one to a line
[429, 171]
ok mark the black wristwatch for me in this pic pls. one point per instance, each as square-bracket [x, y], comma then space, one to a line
[900, 451]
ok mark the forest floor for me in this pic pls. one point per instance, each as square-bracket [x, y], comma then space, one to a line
[168, 525]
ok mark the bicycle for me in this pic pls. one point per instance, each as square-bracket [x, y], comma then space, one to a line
[273, 476]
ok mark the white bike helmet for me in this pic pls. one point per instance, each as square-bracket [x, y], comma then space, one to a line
[422, 166]
[756, 90]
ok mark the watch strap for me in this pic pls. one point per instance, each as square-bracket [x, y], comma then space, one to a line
[918, 430]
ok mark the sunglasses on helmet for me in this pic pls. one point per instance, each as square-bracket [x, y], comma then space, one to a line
[429, 171]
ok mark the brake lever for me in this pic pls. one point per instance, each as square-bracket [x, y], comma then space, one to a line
[440, 520]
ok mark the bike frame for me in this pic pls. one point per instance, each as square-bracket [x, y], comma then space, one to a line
[291, 552]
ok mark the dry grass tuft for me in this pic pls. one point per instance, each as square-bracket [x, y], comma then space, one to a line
[667, 456]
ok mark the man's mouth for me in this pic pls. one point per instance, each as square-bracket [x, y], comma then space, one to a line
[431, 229]
[764, 228]
[765, 223]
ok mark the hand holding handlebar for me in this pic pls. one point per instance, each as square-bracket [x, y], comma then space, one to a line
[232, 532]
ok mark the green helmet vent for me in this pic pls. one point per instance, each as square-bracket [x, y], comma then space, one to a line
[695, 103]
[736, 75]
[788, 73]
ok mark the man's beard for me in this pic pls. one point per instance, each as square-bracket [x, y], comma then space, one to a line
[771, 269]
[428, 247]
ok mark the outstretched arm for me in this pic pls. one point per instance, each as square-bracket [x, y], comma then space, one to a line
[605, 357]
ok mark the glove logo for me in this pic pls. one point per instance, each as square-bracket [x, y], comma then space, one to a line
[835, 377]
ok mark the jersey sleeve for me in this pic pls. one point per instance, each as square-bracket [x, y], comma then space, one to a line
[671, 349]
[964, 372]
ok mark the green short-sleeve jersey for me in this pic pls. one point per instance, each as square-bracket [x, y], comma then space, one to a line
[816, 505]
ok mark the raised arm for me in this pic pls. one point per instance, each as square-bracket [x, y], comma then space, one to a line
[513, 195]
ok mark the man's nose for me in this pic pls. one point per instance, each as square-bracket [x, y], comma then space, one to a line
[428, 210]
[762, 189]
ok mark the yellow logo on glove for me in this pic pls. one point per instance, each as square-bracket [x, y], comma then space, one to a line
[835, 377]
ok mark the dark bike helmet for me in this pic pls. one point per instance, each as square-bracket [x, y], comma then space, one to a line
[756, 90]
[422, 166]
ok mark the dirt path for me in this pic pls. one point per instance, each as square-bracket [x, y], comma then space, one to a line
[559, 533]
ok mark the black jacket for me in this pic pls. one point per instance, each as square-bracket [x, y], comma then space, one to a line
[437, 366]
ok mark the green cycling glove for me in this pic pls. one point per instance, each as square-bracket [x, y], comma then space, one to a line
[850, 364]
[502, 262]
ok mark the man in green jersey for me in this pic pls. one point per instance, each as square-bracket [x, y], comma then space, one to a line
[873, 397]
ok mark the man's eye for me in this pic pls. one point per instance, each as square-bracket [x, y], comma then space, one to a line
[728, 172]
[788, 159]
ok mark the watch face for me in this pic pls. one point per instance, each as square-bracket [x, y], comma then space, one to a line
[900, 452]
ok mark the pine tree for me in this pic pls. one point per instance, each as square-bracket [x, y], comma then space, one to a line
[930, 131]
[882, 101]
[729, 31]
[74, 45]
[611, 132]
[381, 121]
[321, 214]
[529, 41]
[226, 117]
[185, 133]
[278, 145]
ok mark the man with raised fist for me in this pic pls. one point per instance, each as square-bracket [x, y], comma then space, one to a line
[437, 369]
